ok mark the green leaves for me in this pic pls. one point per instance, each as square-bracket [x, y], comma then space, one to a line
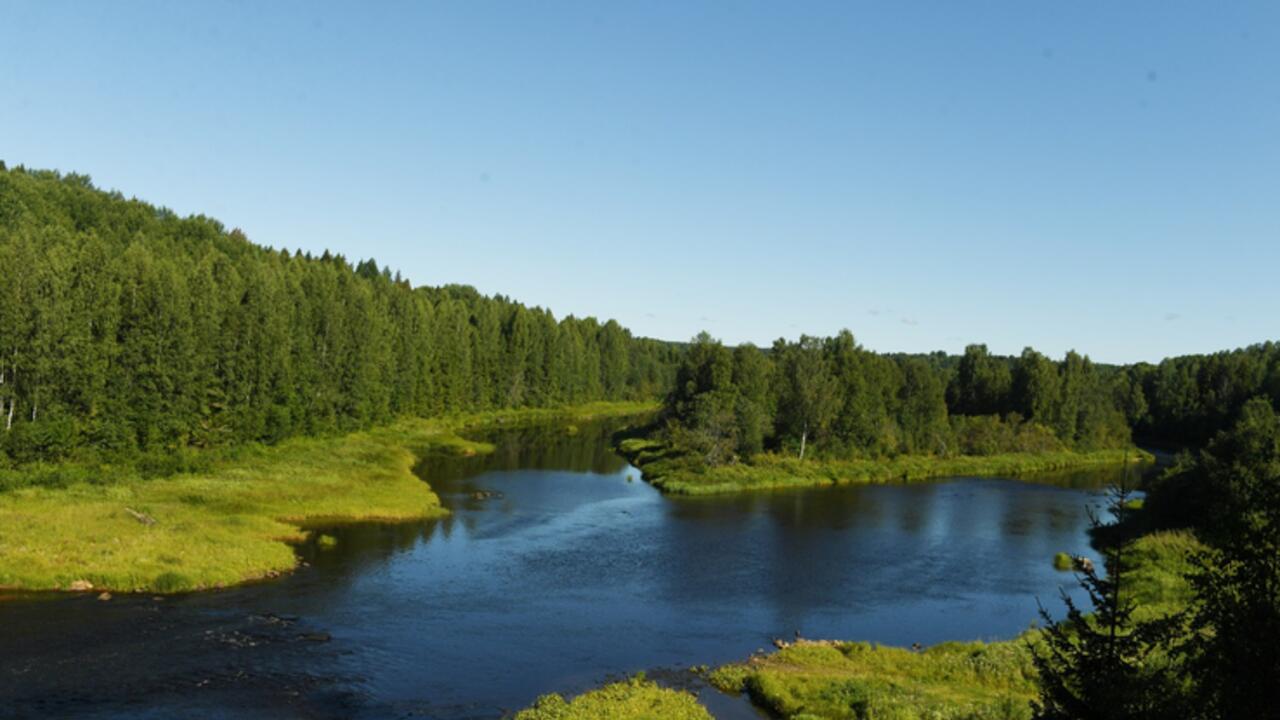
[125, 328]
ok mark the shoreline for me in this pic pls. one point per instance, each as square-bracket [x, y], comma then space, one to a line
[661, 467]
[239, 521]
[957, 678]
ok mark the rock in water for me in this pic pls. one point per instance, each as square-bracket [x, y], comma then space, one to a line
[81, 586]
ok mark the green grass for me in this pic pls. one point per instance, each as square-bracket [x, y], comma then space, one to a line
[857, 680]
[1158, 564]
[634, 699]
[674, 473]
[237, 520]
[976, 681]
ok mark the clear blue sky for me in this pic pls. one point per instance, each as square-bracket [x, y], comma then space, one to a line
[1093, 175]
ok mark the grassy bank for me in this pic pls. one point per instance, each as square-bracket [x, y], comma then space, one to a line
[234, 522]
[671, 471]
[859, 680]
[634, 699]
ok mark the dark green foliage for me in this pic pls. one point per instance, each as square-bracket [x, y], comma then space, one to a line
[715, 416]
[808, 399]
[836, 398]
[1104, 665]
[1235, 651]
[129, 332]
[1186, 400]
[981, 385]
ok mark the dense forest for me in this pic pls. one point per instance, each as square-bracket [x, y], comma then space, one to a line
[126, 329]
[831, 396]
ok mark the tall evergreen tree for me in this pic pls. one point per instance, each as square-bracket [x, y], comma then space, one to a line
[1103, 665]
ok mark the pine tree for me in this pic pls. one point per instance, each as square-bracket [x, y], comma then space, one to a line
[1104, 665]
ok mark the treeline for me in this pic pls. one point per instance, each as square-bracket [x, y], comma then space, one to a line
[124, 328]
[835, 397]
[1187, 400]
[1182, 401]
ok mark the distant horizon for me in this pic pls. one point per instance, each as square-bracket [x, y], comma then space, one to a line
[930, 177]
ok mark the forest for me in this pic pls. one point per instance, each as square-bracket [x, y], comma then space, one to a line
[127, 332]
[130, 332]
[834, 398]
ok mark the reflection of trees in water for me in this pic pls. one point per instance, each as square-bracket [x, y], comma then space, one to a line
[588, 449]
[361, 543]
[793, 551]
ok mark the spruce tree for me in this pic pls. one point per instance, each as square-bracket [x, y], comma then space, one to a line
[1103, 665]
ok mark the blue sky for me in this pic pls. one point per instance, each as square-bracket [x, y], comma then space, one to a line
[1090, 175]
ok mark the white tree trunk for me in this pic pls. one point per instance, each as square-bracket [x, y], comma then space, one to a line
[803, 437]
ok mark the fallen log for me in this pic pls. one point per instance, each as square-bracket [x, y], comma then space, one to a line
[143, 518]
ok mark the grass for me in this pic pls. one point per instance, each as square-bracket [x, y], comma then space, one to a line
[857, 680]
[981, 681]
[1157, 565]
[672, 472]
[634, 699]
[237, 520]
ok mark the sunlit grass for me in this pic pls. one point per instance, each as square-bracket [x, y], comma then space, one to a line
[236, 521]
[1157, 568]
[674, 473]
[634, 699]
[858, 680]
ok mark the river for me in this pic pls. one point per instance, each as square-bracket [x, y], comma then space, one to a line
[572, 572]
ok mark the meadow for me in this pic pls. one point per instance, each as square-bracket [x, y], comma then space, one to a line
[236, 519]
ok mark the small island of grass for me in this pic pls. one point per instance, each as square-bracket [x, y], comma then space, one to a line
[634, 699]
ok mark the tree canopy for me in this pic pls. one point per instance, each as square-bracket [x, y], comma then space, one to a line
[125, 328]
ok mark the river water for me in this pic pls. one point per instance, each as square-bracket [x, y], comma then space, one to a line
[571, 573]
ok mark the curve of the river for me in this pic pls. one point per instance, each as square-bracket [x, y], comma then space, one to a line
[570, 573]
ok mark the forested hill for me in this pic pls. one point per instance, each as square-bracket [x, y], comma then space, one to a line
[125, 328]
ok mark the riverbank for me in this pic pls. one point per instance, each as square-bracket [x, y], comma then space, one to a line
[237, 521]
[949, 680]
[633, 699]
[671, 471]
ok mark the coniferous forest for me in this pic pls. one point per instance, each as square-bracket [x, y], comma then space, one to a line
[125, 329]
